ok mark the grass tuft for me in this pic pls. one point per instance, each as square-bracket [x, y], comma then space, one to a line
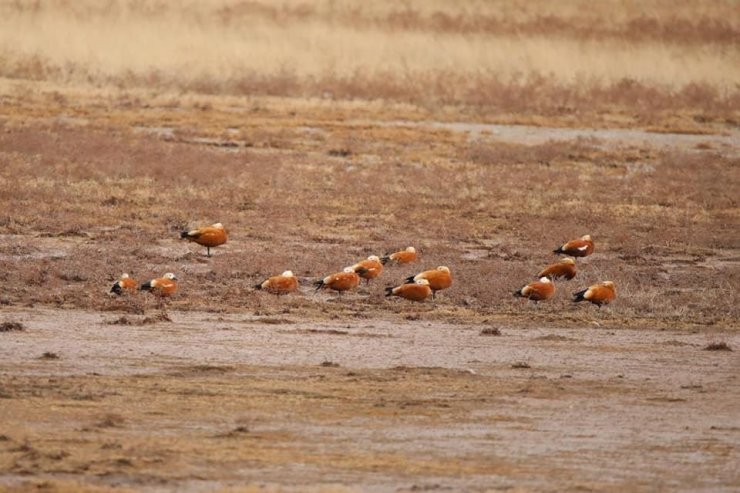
[717, 346]
[11, 327]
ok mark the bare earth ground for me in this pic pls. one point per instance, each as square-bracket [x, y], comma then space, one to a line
[209, 401]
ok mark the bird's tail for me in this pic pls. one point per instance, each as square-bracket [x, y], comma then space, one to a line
[116, 289]
[579, 296]
[258, 286]
[389, 291]
[185, 234]
[319, 284]
[361, 271]
[147, 286]
[518, 293]
[558, 250]
[385, 259]
[410, 280]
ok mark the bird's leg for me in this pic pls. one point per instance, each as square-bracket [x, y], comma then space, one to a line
[163, 309]
[135, 304]
[208, 251]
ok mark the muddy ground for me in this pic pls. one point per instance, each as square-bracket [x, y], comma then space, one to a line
[215, 401]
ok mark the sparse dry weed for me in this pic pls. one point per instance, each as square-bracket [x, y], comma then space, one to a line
[492, 215]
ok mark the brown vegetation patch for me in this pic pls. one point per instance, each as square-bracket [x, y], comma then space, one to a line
[718, 346]
[327, 331]
[238, 432]
[111, 421]
[11, 327]
[157, 318]
[210, 369]
[274, 321]
[553, 337]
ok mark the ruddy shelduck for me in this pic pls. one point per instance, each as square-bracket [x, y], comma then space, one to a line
[125, 284]
[283, 284]
[439, 278]
[581, 247]
[403, 257]
[369, 268]
[209, 237]
[341, 281]
[418, 291]
[537, 291]
[566, 269]
[162, 287]
[599, 294]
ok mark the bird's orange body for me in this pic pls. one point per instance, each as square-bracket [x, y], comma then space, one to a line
[368, 269]
[163, 287]
[418, 291]
[282, 284]
[439, 278]
[209, 236]
[341, 281]
[582, 247]
[540, 290]
[403, 257]
[125, 284]
[566, 268]
[599, 294]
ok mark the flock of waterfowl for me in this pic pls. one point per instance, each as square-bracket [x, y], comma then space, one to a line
[543, 288]
[418, 287]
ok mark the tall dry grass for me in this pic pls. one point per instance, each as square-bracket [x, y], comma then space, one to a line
[474, 53]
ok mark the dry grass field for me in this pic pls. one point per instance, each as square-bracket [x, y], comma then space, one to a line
[483, 133]
[610, 62]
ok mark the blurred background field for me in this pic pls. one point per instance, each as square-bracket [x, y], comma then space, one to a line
[627, 58]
